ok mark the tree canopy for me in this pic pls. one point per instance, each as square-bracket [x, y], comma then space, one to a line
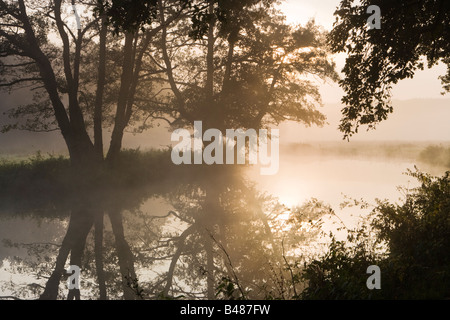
[413, 34]
[228, 63]
[237, 64]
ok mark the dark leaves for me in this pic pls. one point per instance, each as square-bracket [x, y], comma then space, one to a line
[377, 59]
[128, 15]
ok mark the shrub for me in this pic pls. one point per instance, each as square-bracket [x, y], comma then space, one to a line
[416, 261]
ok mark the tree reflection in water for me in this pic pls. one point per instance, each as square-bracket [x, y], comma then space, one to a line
[187, 236]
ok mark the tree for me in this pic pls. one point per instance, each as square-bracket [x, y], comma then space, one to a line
[244, 68]
[233, 64]
[227, 63]
[82, 84]
[413, 34]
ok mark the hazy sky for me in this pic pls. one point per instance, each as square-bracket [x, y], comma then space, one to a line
[424, 85]
[422, 113]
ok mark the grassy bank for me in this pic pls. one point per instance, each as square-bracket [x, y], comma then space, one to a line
[48, 183]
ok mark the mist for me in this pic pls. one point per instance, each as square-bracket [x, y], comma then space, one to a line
[110, 191]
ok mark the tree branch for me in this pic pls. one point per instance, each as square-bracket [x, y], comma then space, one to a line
[19, 81]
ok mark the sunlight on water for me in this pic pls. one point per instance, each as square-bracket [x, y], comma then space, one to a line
[332, 180]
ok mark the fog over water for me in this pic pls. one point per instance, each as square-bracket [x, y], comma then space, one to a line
[188, 231]
[314, 164]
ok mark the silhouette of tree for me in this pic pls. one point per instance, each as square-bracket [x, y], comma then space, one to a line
[82, 82]
[413, 34]
[230, 64]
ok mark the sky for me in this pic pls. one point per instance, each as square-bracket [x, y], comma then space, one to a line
[421, 114]
[424, 85]
[420, 111]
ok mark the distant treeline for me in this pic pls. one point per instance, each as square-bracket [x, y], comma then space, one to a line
[436, 155]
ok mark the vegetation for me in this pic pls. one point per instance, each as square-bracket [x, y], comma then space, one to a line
[436, 155]
[379, 58]
[408, 241]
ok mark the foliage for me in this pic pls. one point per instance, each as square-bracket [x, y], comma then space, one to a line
[416, 238]
[379, 58]
[250, 73]
[127, 15]
[340, 273]
[34, 183]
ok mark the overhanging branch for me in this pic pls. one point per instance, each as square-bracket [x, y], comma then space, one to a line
[19, 81]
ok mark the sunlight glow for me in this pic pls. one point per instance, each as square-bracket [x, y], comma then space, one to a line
[298, 12]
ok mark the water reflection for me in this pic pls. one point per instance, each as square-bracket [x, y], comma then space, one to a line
[181, 239]
[205, 232]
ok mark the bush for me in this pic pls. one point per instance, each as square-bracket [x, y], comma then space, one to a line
[416, 260]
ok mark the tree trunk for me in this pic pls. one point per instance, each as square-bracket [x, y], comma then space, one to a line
[127, 74]
[79, 226]
[126, 259]
[98, 247]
